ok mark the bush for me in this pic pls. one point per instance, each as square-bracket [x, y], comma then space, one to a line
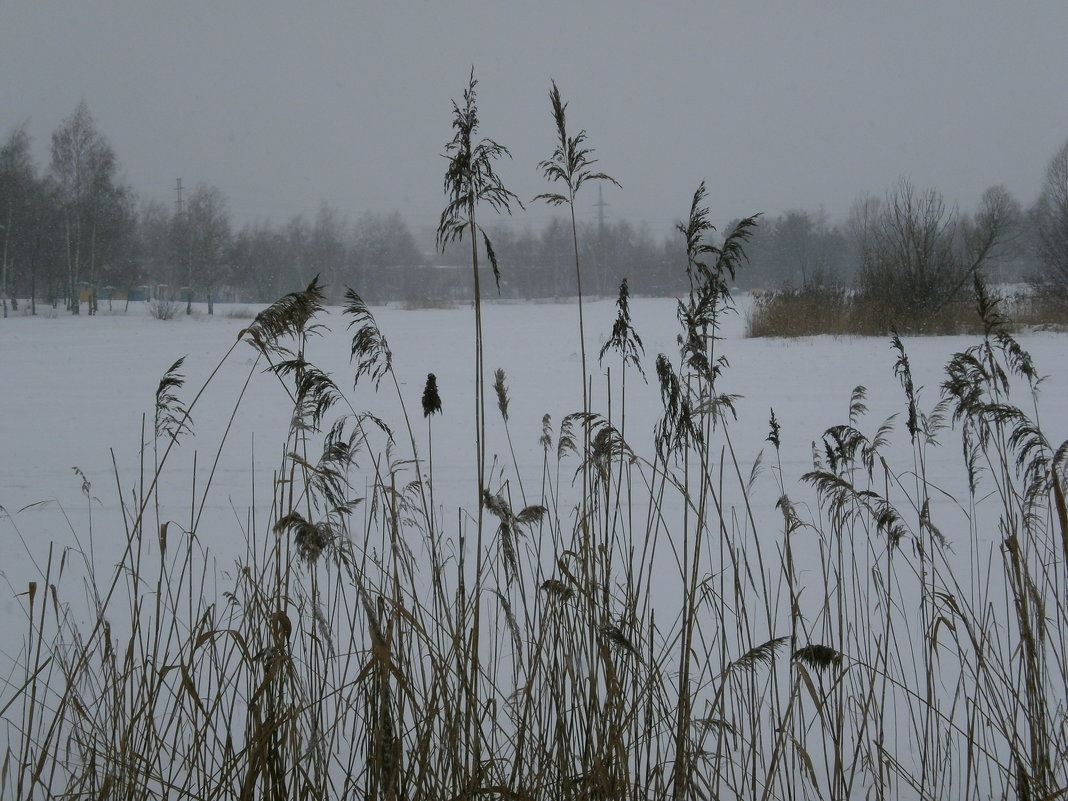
[163, 309]
[240, 313]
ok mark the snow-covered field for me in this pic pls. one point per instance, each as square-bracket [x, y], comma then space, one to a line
[78, 392]
[75, 392]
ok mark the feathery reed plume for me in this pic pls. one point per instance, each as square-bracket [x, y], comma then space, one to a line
[546, 438]
[763, 654]
[557, 589]
[470, 179]
[845, 502]
[502, 392]
[566, 441]
[370, 350]
[678, 428]
[605, 444]
[287, 316]
[625, 339]
[87, 485]
[857, 406]
[791, 519]
[617, 638]
[315, 393]
[172, 419]
[690, 405]
[510, 527]
[903, 370]
[977, 391]
[571, 160]
[774, 430]
[502, 405]
[310, 538]
[989, 307]
[327, 478]
[818, 657]
[710, 295]
[728, 256]
[694, 231]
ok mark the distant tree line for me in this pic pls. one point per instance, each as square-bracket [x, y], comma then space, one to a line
[73, 234]
[70, 227]
[540, 263]
[911, 233]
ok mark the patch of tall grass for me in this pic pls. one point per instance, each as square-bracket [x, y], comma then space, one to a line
[832, 309]
[642, 636]
[625, 624]
[1042, 306]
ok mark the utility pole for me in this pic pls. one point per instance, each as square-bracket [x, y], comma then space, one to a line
[185, 245]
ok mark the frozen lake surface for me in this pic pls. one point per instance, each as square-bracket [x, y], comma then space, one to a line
[75, 392]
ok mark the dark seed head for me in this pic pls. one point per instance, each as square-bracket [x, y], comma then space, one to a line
[431, 399]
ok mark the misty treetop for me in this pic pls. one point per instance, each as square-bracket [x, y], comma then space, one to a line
[73, 233]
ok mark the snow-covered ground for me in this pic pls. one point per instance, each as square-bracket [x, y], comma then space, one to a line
[74, 390]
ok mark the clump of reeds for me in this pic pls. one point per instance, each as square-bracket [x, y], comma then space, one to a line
[832, 309]
[634, 629]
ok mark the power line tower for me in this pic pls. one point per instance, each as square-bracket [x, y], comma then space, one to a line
[185, 256]
[599, 262]
[600, 205]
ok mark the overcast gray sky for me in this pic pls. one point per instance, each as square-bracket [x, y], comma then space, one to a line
[778, 105]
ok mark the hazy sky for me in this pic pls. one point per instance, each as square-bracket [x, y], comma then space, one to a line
[778, 105]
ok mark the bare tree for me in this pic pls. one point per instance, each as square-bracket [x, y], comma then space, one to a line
[990, 235]
[1051, 217]
[202, 237]
[327, 253]
[916, 254]
[83, 168]
[261, 261]
[17, 190]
